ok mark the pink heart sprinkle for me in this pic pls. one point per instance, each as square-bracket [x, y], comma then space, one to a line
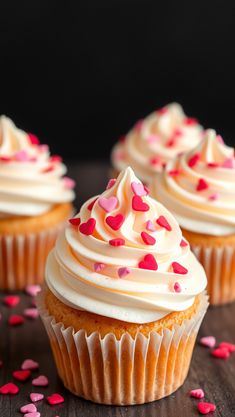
[138, 189]
[111, 183]
[177, 287]
[108, 204]
[69, 183]
[228, 163]
[197, 393]
[40, 381]
[150, 226]
[33, 290]
[31, 313]
[36, 396]
[28, 408]
[206, 408]
[98, 266]
[208, 341]
[213, 197]
[153, 138]
[183, 243]
[21, 156]
[30, 364]
[34, 414]
[123, 272]
[220, 139]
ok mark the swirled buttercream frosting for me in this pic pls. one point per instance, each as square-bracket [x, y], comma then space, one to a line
[199, 187]
[155, 140]
[123, 256]
[31, 181]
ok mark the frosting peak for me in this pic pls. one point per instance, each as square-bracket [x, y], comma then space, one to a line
[123, 256]
[200, 187]
[31, 181]
[155, 140]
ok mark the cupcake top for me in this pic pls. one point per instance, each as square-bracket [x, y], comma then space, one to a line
[154, 141]
[199, 187]
[31, 181]
[123, 256]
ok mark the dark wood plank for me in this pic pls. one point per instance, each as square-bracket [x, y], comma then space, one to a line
[216, 377]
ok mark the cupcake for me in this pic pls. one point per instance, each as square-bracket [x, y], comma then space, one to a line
[35, 202]
[124, 298]
[155, 140]
[199, 188]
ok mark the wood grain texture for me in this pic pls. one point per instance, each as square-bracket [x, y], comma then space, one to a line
[215, 376]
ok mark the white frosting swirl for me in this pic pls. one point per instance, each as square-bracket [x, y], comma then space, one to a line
[209, 208]
[30, 180]
[156, 140]
[142, 295]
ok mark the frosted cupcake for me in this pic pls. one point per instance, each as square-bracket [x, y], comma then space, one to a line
[124, 298]
[35, 201]
[155, 140]
[199, 187]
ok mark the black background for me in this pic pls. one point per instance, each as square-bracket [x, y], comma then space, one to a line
[79, 74]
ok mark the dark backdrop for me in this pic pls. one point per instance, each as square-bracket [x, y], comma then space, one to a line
[80, 73]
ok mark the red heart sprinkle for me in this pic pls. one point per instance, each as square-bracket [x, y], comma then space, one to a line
[170, 143]
[162, 111]
[138, 204]
[227, 345]
[75, 221]
[205, 408]
[155, 160]
[179, 269]
[50, 168]
[197, 393]
[162, 221]
[21, 375]
[115, 222]
[202, 185]
[33, 139]
[55, 399]
[148, 239]
[212, 165]
[88, 227]
[90, 206]
[177, 287]
[55, 158]
[190, 121]
[11, 300]
[221, 353]
[149, 262]
[174, 172]
[183, 243]
[15, 320]
[117, 242]
[111, 183]
[9, 388]
[193, 160]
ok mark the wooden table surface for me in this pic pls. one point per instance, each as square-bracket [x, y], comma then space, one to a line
[215, 376]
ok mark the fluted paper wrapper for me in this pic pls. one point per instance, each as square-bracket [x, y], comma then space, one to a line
[219, 264]
[23, 257]
[126, 371]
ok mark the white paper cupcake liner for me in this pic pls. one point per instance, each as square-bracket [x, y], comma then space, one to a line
[23, 257]
[126, 371]
[219, 264]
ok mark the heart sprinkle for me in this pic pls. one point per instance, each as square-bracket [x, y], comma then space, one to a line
[88, 227]
[55, 399]
[202, 185]
[33, 139]
[227, 345]
[208, 341]
[123, 272]
[150, 226]
[90, 206]
[197, 393]
[15, 320]
[108, 204]
[31, 313]
[36, 396]
[115, 222]
[183, 243]
[193, 160]
[28, 408]
[9, 388]
[190, 121]
[117, 242]
[206, 408]
[229, 163]
[22, 375]
[69, 183]
[156, 160]
[177, 287]
[221, 353]
[138, 204]
[30, 364]
[138, 189]
[11, 300]
[33, 290]
[148, 239]
[162, 221]
[149, 262]
[111, 183]
[75, 221]
[40, 381]
[179, 269]
[98, 266]
[34, 414]
[174, 172]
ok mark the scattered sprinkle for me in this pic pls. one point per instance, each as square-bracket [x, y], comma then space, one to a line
[9, 388]
[98, 266]
[190, 121]
[48, 169]
[206, 408]
[220, 353]
[227, 345]
[183, 243]
[108, 204]
[208, 341]
[229, 163]
[56, 159]
[55, 399]
[40, 381]
[11, 300]
[15, 320]
[150, 226]
[156, 160]
[174, 172]
[69, 183]
[33, 290]
[212, 165]
[21, 375]
[36, 396]
[197, 393]
[33, 139]
[193, 160]
[28, 408]
[31, 313]
[177, 287]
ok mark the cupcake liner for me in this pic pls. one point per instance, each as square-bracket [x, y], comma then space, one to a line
[23, 257]
[219, 264]
[126, 371]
